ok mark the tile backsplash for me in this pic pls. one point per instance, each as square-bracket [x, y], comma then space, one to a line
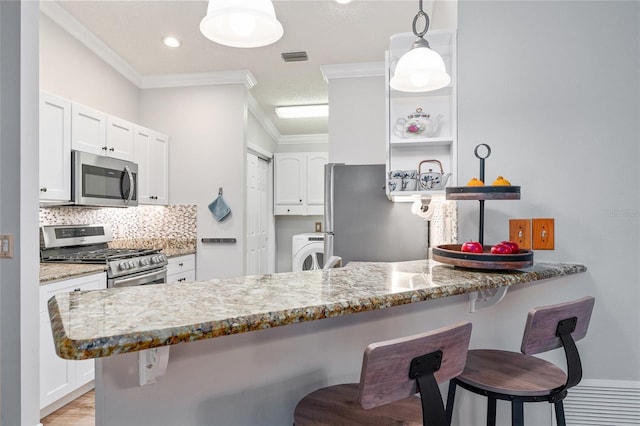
[175, 222]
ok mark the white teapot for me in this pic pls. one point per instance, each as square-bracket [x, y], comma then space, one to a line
[418, 124]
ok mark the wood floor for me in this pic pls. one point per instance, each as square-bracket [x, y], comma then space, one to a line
[80, 412]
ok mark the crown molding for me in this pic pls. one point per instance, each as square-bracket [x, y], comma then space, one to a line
[198, 79]
[304, 139]
[259, 114]
[70, 24]
[361, 69]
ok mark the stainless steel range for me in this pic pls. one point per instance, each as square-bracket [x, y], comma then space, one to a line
[89, 244]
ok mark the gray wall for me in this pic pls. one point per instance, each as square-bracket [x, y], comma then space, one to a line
[19, 320]
[553, 87]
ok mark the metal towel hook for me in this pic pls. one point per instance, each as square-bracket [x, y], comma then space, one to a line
[220, 191]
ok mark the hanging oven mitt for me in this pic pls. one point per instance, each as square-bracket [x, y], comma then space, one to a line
[219, 209]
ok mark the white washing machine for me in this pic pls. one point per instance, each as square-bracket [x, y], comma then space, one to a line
[307, 252]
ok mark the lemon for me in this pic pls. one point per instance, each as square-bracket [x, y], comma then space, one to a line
[475, 182]
[500, 181]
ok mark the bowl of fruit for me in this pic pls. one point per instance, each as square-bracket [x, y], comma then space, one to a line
[505, 255]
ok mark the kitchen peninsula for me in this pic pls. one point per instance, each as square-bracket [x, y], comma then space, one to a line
[256, 378]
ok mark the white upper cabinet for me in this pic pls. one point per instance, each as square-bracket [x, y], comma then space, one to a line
[299, 183]
[315, 182]
[98, 133]
[422, 125]
[55, 148]
[120, 135]
[151, 153]
[89, 130]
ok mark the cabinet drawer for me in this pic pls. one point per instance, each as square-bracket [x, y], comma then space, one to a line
[284, 210]
[180, 277]
[181, 264]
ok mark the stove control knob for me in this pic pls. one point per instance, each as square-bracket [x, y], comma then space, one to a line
[132, 263]
[123, 266]
[144, 262]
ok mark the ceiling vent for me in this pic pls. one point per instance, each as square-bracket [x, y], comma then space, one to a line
[295, 56]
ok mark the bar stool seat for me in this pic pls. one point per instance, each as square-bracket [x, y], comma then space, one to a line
[512, 373]
[522, 377]
[393, 371]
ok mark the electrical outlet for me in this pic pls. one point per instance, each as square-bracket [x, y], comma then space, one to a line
[6, 246]
[520, 232]
[318, 226]
[543, 234]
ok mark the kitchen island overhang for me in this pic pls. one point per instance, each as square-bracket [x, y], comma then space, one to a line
[102, 323]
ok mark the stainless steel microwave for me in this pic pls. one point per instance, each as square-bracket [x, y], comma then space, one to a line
[103, 181]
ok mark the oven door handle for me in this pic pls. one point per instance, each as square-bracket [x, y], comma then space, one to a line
[145, 278]
[132, 184]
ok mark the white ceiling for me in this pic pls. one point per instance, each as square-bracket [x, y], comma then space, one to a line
[330, 33]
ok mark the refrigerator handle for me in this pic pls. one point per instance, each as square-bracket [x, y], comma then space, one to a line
[328, 197]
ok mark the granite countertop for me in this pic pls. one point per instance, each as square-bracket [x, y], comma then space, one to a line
[60, 271]
[100, 323]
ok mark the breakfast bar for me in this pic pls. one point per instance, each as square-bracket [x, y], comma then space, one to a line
[256, 345]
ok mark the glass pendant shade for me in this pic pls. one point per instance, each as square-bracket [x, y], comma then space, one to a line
[241, 23]
[420, 70]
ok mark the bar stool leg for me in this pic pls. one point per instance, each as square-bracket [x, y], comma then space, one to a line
[559, 408]
[517, 413]
[451, 396]
[491, 411]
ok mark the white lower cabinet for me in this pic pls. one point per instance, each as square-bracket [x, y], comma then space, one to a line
[181, 269]
[60, 377]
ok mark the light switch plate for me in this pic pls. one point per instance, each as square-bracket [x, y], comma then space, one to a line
[318, 226]
[543, 235]
[520, 232]
[6, 246]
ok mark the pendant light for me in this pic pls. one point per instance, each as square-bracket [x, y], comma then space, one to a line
[241, 23]
[420, 69]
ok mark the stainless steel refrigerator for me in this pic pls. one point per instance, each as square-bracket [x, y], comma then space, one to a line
[360, 222]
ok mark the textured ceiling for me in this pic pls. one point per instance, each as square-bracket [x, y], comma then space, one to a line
[330, 33]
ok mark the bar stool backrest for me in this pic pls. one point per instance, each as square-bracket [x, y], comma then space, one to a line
[385, 368]
[540, 329]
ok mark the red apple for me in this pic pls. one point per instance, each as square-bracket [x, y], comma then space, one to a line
[514, 247]
[501, 249]
[472, 247]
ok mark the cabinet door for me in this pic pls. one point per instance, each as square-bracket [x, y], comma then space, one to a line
[85, 369]
[315, 182]
[58, 376]
[119, 138]
[55, 148]
[159, 168]
[290, 180]
[88, 129]
[141, 143]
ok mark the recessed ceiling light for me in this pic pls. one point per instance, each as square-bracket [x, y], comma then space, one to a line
[171, 41]
[343, 1]
[303, 111]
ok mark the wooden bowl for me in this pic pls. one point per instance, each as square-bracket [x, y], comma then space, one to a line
[453, 255]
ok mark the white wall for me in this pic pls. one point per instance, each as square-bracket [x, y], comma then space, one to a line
[207, 150]
[553, 88]
[356, 121]
[70, 70]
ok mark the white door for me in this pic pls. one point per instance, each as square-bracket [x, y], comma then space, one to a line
[257, 215]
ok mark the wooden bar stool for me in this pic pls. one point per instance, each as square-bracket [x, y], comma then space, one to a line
[392, 373]
[521, 377]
